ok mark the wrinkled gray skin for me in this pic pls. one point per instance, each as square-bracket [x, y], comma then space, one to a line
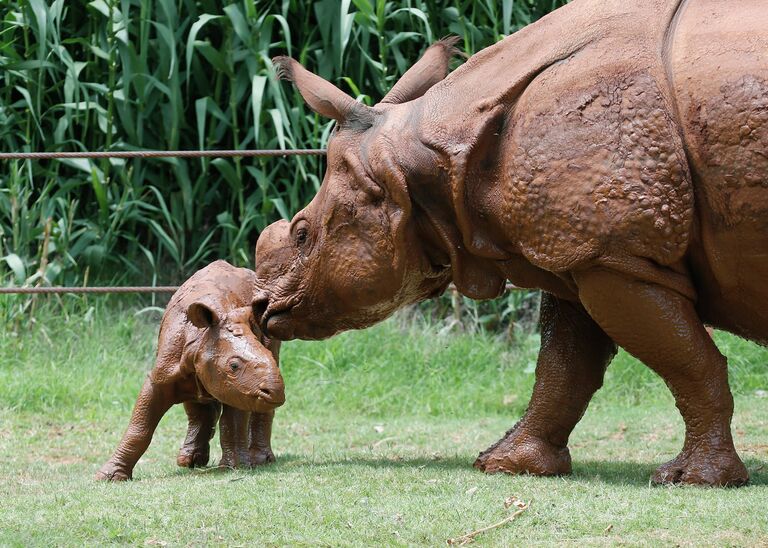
[213, 358]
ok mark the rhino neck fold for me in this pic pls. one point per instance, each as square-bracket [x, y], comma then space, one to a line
[474, 273]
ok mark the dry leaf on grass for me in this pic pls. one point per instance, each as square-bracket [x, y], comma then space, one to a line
[514, 501]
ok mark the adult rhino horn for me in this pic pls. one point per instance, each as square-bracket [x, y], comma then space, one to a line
[322, 96]
[429, 70]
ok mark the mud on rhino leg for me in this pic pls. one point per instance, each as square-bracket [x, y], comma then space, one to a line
[233, 435]
[202, 418]
[572, 361]
[661, 328]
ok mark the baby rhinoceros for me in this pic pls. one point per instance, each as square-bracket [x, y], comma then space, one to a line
[213, 358]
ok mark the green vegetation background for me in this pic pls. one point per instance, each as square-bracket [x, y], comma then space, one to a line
[185, 74]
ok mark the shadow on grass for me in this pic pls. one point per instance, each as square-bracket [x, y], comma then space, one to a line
[639, 473]
[629, 473]
[624, 472]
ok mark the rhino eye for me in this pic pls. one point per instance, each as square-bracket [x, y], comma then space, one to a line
[301, 232]
[234, 366]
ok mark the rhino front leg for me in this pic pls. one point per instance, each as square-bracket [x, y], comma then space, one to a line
[202, 418]
[572, 361]
[260, 448]
[661, 328]
[153, 402]
[233, 435]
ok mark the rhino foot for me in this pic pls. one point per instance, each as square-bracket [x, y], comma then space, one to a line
[250, 459]
[193, 459]
[113, 472]
[520, 453]
[262, 456]
[707, 469]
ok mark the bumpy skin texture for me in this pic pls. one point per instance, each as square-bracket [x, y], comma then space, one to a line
[613, 154]
[213, 358]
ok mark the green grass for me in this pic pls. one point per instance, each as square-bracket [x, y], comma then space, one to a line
[374, 447]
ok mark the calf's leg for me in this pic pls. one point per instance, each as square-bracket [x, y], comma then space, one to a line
[661, 328]
[202, 418]
[153, 402]
[260, 448]
[572, 361]
[233, 435]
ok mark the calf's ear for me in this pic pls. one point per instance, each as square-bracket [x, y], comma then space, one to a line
[202, 315]
[425, 73]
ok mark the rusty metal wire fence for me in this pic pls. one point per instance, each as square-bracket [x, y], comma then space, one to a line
[142, 154]
[99, 290]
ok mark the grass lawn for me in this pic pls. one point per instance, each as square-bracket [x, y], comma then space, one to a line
[374, 447]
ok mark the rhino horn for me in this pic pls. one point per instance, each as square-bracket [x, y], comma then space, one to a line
[322, 96]
[429, 70]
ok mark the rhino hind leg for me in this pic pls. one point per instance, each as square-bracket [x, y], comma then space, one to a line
[661, 328]
[202, 418]
[572, 361]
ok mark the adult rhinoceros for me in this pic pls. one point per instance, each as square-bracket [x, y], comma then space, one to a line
[613, 154]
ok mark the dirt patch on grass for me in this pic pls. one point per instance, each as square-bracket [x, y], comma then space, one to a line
[61, 459]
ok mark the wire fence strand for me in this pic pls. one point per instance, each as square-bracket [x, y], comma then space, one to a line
[134, 289]
[101, 290]
[148, 154]
[160, 154]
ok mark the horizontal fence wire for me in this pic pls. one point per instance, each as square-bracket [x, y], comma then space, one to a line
[101, 290]
[160, 154]
[148, 154]
[133, 289]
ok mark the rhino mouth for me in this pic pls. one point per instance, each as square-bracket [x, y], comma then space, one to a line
[276, 319]
[273, 398]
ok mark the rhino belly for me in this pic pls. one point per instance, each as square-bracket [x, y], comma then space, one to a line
[718, 66]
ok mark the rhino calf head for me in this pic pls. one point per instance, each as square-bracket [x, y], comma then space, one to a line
[231, 362]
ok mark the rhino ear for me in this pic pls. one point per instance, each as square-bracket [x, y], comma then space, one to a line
[202, 315]
[322, 96]
[429, 70]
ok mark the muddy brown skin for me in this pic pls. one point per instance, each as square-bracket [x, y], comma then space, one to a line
[212, 357]
[613, 154]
